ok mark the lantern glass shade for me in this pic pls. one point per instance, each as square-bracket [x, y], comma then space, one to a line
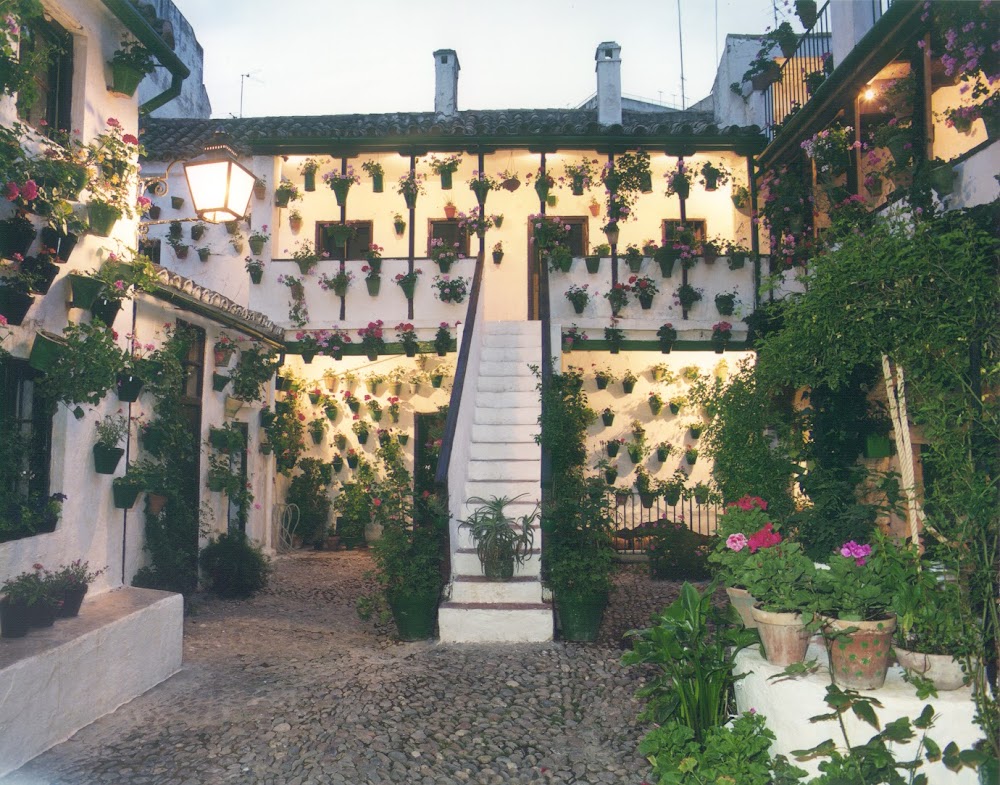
[220, 187]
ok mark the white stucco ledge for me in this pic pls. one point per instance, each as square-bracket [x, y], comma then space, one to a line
[789, 703]
[59, 679]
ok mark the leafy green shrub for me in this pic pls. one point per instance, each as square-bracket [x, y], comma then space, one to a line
[694, 652]
[676, 553]
[308, 490]
[737, 754]
[235, 566]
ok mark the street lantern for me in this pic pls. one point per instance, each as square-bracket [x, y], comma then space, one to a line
[220, 187]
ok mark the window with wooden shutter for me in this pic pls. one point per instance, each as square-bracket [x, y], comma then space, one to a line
[357, 245]
[450, 232]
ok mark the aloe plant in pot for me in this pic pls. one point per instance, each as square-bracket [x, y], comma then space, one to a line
[501, 541]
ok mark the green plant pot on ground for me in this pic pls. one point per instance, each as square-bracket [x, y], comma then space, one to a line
[580, 615]
[415, 614]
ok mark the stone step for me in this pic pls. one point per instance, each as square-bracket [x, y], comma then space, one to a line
[512, 328]
[464, 561]
[483, 623]
[504, 434]
[504, 451]
[491, 340]
[507, 384]
[508, 399]
[476, 588]
[505, 369]
[484, 489]
[511, 354]
[514, 416]
[505, 470]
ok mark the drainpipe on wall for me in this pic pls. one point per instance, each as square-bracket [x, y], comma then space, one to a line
[136, 24]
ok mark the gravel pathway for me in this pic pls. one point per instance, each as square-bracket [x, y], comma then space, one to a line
[291, 688]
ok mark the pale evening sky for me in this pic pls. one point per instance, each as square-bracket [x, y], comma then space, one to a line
[333, 57]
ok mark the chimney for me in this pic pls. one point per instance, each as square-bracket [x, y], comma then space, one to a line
[446, 70]
[609, 83]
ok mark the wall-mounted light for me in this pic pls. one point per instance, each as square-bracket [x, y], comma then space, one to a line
[220, 186]
[868, 94]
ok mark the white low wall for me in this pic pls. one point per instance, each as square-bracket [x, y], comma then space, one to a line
[59, 679]
[789, 703]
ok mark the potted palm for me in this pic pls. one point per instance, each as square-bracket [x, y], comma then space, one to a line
[501, 541]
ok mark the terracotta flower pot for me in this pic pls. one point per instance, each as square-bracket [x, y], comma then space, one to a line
[860, 659]
[784, 636]
[942, 669]
[742, 601]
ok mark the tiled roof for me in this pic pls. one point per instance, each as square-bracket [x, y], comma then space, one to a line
[167, 139]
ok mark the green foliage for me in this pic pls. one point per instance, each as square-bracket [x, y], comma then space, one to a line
[739, 754]
[925, 294]
[286, 432]
[256, 366]
[171, 535]
[235, 566]
[781, 577]
[694, 653]
[748, 442]
[676, 553]
[497, 536]
[86, 368]
[309, 490]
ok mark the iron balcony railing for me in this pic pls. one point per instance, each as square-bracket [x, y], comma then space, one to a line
[810, 64]
[633, 521]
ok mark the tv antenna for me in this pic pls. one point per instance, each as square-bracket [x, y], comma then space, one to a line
[242, 77]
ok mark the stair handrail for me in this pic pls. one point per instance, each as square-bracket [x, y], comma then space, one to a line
[545, 315]
[454, 402]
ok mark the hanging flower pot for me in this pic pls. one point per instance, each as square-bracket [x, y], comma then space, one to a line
[577, 185]
[374, 284]
[767, 77]
[449, 211]
[725, 304]
[806, 11]
[612, 448]
[410, 199]
[542, 188]
[437, 379]
[628, 385]
[645, 300]
[197, 231]
[102, 218]
[446, 180]
[106, 310]
[399, 227]
[646, 182]
[497, 257]
[608, 417]
[177, 202]
[481, 188]
[593, 264]
[737, 260]
[612, 232]
[655, 405]
[340, 189]
[62, 243]
[256, 245]
[309, 180]
[181, 250]
[128, 388]
[125, 79]
[125, 493]
[106, 458]
[46, 349]
[204, 253]
[378, 183]
[16, 236]
[511, 184]
[14, 619]
[219, 381]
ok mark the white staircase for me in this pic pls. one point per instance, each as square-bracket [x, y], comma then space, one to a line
[503, 460]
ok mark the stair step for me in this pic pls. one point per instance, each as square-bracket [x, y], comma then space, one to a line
[491, 340]
[484, 489]
[513, 416]
[477, 589]
[508, 398]
[465, 562]
[504, 434]
[504, 368]
[487, 623]
[504, 451]
[504, 470]
[511, 354]
[512, 328]
[507, 384]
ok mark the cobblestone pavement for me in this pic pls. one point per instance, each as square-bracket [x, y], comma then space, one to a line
[291, 688]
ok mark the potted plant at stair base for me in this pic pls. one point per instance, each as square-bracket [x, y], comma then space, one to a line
[501, 541]
[580, 559]
[782, 578]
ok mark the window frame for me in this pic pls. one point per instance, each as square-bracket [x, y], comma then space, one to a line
[57, 88]
[461, 236]
[355, 251]
[699, 225]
